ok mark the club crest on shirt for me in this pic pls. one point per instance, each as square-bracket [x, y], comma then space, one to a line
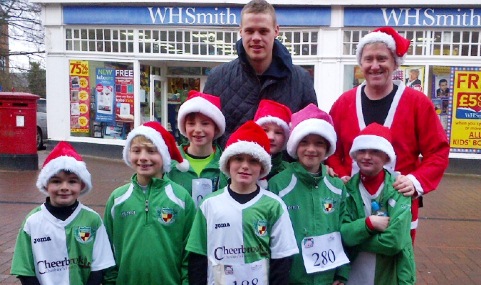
[84, 234]
[166, 216]
[228, 270]
[308, 242]
[260, 228]
[328, 205]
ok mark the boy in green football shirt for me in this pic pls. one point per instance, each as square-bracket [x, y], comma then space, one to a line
[274, 118]
[242, 233]
[62, 241]
[148, 220]
[201, 122]
[376, 230]
[314, 199]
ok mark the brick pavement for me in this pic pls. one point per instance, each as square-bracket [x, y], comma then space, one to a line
[447, 248]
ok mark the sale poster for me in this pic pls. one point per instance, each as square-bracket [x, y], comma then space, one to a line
[79, 96]
[466, 118]
[124, 95]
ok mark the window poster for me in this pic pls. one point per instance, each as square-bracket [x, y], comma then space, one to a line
[441, 93]
[124, 95]
[465, 132]
[79, 96]
[413, 76]
[105, 95]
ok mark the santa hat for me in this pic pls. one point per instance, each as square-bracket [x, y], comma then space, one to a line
[163, 141]
[374, 136]
[205, 104]
[273, 112]
[394, 41]
[64, 158]
[311, 120]
[250, 139]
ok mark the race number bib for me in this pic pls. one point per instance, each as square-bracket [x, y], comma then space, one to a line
[324, 252]
[201, 187]
[255, 273]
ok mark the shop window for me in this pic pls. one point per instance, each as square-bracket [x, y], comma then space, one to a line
[426, 42]
[99, 40]
[101, 99]
[211, 42]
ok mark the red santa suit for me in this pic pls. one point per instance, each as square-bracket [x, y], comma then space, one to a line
[416, 130]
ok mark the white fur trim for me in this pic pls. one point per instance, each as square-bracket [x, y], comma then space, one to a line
[373, 142]
[417, 185]
[277, 121]
[414, 224]
[156, 139]
[312, 126]
[378, 37]
[246, 147]
[66, 163]
[183, 166]
[203, 106]
[263, 183]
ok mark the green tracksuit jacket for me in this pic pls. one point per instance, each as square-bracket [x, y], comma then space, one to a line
[148, 232]
[211, 171]
[394, 257]
[305, 197]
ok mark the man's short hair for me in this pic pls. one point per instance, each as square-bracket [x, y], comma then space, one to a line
[259, 7]
[442, 81]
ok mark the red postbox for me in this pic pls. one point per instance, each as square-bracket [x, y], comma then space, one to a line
[18, 131]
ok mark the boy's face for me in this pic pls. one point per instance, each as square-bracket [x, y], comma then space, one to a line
[200, 130]
[244, 170]
[64, 188]
[311, 151]
[146, 161]
[276, 136]
[370, 161]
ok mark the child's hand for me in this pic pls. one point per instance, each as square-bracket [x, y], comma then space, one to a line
[380, 223]
[337, 282]
[331, 171]
[345, 179]
[404, 186]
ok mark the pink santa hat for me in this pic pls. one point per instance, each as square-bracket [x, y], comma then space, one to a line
[64, 158]
[273, 112]
[250, 139]
[374, 136]
[394, 41]
[206, 104]
[311, 120]
[163, 141]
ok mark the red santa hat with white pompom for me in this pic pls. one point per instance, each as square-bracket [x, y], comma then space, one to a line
[64, 158]
[394, 41]
[163, 140]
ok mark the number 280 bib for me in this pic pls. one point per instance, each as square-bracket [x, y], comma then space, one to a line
[321, 253]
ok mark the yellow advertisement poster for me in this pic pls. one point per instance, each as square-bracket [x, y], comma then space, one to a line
[79, 96]
[466, 118]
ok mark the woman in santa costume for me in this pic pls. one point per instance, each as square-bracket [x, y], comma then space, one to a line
[415, 126]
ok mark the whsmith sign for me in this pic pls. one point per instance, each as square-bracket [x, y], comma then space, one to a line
[187, 16]
[412, 17]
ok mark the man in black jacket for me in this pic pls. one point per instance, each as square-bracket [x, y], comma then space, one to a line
[263, 70]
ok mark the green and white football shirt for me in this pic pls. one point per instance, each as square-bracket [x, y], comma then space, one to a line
[231, 235]
[62, 252]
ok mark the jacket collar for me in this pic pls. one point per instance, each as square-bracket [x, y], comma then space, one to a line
[281, 60]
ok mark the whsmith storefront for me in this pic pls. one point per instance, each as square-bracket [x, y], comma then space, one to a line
[112, 66]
